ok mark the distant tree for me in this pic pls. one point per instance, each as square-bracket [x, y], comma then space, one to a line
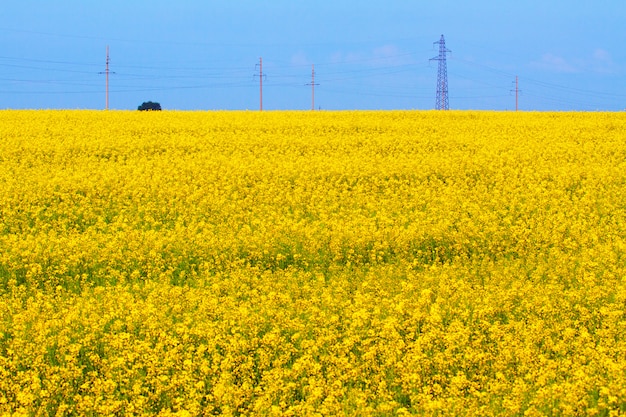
[149, 105]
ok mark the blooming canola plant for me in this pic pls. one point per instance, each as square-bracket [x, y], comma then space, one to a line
[294, 263]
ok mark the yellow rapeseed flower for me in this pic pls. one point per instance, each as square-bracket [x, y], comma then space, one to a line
[312, 263]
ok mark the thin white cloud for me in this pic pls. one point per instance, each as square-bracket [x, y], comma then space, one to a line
[346, 57]
[353, 56]
[600, 61]
[554, 63]
[384, 55]
[390, 55]
[603, 62]
[300, 58]
[386, 51]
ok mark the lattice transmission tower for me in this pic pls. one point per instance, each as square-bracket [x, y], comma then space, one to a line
[442, 102]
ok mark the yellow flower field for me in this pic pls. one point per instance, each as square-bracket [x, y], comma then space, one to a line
[312, 263]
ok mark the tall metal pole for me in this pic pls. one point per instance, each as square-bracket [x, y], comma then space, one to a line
[312, 84]
[107, 79]
[312, 87]
[516, 92]
[260, 66]
[442, 76]
[106, 73]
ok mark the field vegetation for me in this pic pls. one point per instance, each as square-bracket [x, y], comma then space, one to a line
[312, 263]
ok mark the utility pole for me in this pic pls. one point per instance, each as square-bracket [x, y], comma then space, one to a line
[442, 76]
[260, 65]
[312, 84]
[516, 93]
[107, 72]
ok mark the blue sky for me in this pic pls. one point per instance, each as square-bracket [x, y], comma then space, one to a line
[192, 54]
